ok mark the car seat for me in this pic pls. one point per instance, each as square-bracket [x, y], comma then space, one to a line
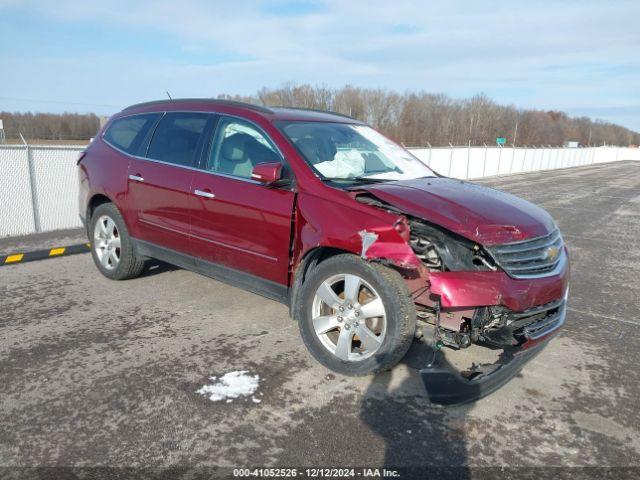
[234, 159]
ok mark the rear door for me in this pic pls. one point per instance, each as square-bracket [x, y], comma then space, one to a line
[160, 184]
[240, 223]
[129, 137]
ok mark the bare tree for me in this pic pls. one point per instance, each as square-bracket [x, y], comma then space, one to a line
[413, 118]
[49, 126]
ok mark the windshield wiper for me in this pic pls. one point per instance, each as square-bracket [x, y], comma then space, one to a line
[372, 180]
[357, 179]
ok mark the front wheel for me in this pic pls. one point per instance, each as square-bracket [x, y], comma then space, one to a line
[355, 317]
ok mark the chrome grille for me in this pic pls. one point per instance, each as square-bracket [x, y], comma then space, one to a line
[535, 257]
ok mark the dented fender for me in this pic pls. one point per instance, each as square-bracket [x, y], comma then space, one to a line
[399, 254]
[338, 222]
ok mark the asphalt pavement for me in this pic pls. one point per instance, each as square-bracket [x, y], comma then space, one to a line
[101, 373]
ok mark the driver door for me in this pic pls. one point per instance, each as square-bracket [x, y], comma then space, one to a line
[240, 223]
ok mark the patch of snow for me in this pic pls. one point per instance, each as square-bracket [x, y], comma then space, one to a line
[231, 385]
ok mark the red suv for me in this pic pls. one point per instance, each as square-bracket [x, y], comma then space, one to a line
[321, 212]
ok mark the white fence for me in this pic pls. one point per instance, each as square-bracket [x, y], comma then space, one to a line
[478, 162]
[39, 183]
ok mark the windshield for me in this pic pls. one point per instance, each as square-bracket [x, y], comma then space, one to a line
[348, 152]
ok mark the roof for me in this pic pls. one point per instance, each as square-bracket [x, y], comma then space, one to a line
[310, 114]
[273, 113]
[207, 101]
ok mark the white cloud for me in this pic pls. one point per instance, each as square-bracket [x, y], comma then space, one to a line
[572, 54]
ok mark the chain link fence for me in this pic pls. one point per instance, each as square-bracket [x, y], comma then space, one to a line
[39, 183]
[38, 188]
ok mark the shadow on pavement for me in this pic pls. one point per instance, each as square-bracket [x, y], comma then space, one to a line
[156, 267]
[415, 430]
[423, 418]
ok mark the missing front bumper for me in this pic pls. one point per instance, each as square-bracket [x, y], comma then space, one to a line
[535, 323]
[447, 386]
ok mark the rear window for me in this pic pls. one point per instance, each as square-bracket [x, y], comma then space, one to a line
[128, 134]
[177, 137]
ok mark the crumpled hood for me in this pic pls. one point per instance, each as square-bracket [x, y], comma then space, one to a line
[482, 214]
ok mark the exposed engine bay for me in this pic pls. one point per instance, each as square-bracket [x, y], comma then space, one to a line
[443, 251]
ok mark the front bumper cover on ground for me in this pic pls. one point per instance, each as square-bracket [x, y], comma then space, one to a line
[446, 386]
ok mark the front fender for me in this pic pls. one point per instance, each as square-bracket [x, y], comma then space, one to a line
[345, 225]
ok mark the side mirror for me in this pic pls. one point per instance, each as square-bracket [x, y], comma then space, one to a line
[267, 173]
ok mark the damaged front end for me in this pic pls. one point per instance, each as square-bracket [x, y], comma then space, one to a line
[508, 296]
[508, 309]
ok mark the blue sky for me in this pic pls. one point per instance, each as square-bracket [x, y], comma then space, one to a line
[65, 55]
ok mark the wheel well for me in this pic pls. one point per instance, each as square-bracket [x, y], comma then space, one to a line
[318, 255]
[95, 202]
[311, 259]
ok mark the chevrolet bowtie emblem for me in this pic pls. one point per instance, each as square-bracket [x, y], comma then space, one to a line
[552, 253]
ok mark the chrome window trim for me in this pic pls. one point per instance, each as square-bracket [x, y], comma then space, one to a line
[112, 120]
[247, 180]
[217, 174]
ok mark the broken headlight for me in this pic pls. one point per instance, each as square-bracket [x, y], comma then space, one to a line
[443, 250]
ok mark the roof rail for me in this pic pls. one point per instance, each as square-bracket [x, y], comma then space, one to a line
[214, 101]
[315, 110]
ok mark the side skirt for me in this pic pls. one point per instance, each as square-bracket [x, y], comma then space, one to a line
[246, 281]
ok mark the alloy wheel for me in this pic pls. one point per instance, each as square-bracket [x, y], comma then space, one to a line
[106, 242]
[349, 317]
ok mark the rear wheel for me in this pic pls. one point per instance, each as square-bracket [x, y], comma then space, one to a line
[111, 246]
[355, 317]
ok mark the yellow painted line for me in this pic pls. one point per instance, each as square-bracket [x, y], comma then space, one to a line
[56, 251]
[14, 258]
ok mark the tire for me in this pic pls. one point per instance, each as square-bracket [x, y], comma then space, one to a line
[112, 236]
[346, 346]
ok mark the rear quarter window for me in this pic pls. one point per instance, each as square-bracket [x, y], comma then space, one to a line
[129, 133]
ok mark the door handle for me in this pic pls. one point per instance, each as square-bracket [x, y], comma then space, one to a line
[202, 193]
[136, 178]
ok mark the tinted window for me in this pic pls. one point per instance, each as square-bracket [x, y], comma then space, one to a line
[237, 147]
[129, 133]
[177, 137]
